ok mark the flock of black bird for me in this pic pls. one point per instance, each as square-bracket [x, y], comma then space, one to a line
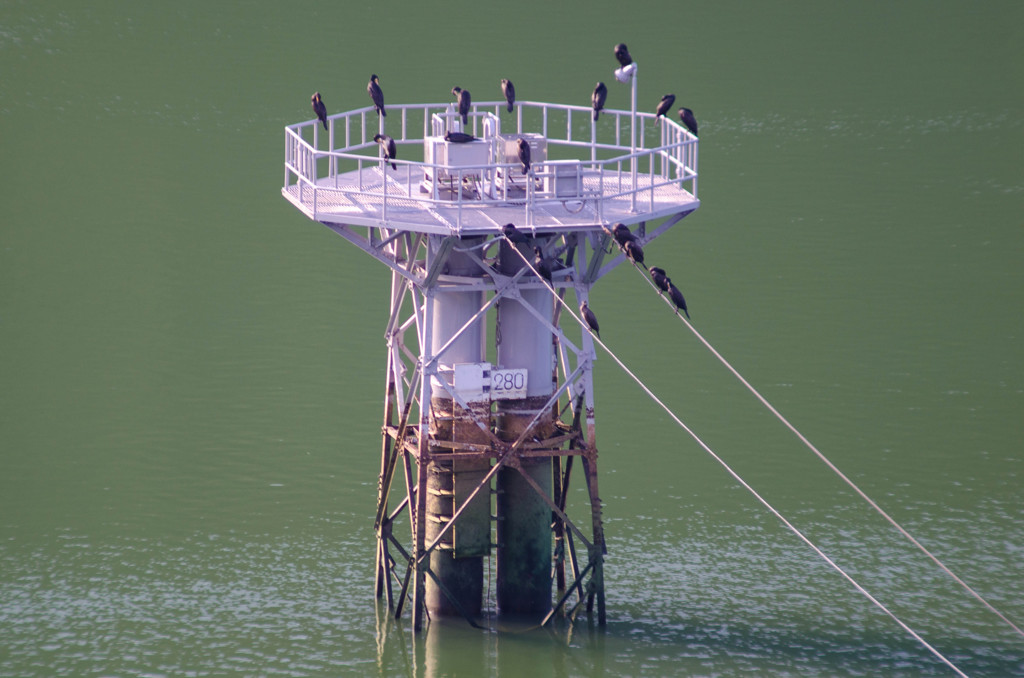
[544, 265]
[630, 246]
[465, 102]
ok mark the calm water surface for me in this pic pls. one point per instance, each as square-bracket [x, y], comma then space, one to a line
[192, 372]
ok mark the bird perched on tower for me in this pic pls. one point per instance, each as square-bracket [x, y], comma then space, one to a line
[389, 146]
[590, 319]
[660, 278]
[509, 90]
[515, 236]
[687, 117]
[634, 252]
[598, 98]
[319, 108]
[622, 234]
[677, 298]
[465, 101]
[524, 154]
[663, 106]
[622, 54]
[374, 90]
[545, 265]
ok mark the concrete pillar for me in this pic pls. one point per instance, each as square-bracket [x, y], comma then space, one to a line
[458, 561]
[524, 518]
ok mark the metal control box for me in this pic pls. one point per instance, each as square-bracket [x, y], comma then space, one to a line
[563, 178]
[508, 147]
[437, 151]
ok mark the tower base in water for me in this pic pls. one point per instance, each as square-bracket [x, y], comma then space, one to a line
[489, 395]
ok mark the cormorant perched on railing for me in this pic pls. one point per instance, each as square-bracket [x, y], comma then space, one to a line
[677, 298]
[389, 146]
[597, 99]
[465, 101]
[622, 54]
[663, 106]
[373, 89]
[515, 236]
[509, 90]
[524, 154]
[590, 319]
[687, 117]
[660, 279]
[319, 108]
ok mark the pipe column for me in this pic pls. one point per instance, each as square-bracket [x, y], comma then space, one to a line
[458, 561]
[524, 518]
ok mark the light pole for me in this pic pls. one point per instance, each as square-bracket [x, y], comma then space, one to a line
[627, 73]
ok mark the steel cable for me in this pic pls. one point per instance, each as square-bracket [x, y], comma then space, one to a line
[738, 478]
[785, 422]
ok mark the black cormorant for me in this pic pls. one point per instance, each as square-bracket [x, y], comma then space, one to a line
[524, 154]
[545, 265]
[459, 137]
[597, 99]
[622, 234]
[622, 54]
[689, 119]
[389, 146]
[590, 319]
[319, 109]
[465, 101]
[663, 106]
[677, 298]
[373, 88]
[509, 90]
[660, 279]
[514, 234]
[634, 252]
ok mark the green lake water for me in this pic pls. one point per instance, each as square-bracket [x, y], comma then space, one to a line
[192, 373]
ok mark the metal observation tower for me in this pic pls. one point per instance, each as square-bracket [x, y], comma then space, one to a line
[489, 394]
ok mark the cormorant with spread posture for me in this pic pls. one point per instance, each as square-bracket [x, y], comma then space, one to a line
[622, 54]
[465, 101]
[319, 109]
[590, 319]
[677, 298]
[663, 106]
[509, 90]
[373, 89]
[515, 236]
[459, 137]
[389, 146]
[687, 117]
[597, 99]
[660, 279]
[634, 252]
[524, 154]
[545, 265]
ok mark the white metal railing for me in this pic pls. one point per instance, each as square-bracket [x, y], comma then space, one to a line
[312, 173]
